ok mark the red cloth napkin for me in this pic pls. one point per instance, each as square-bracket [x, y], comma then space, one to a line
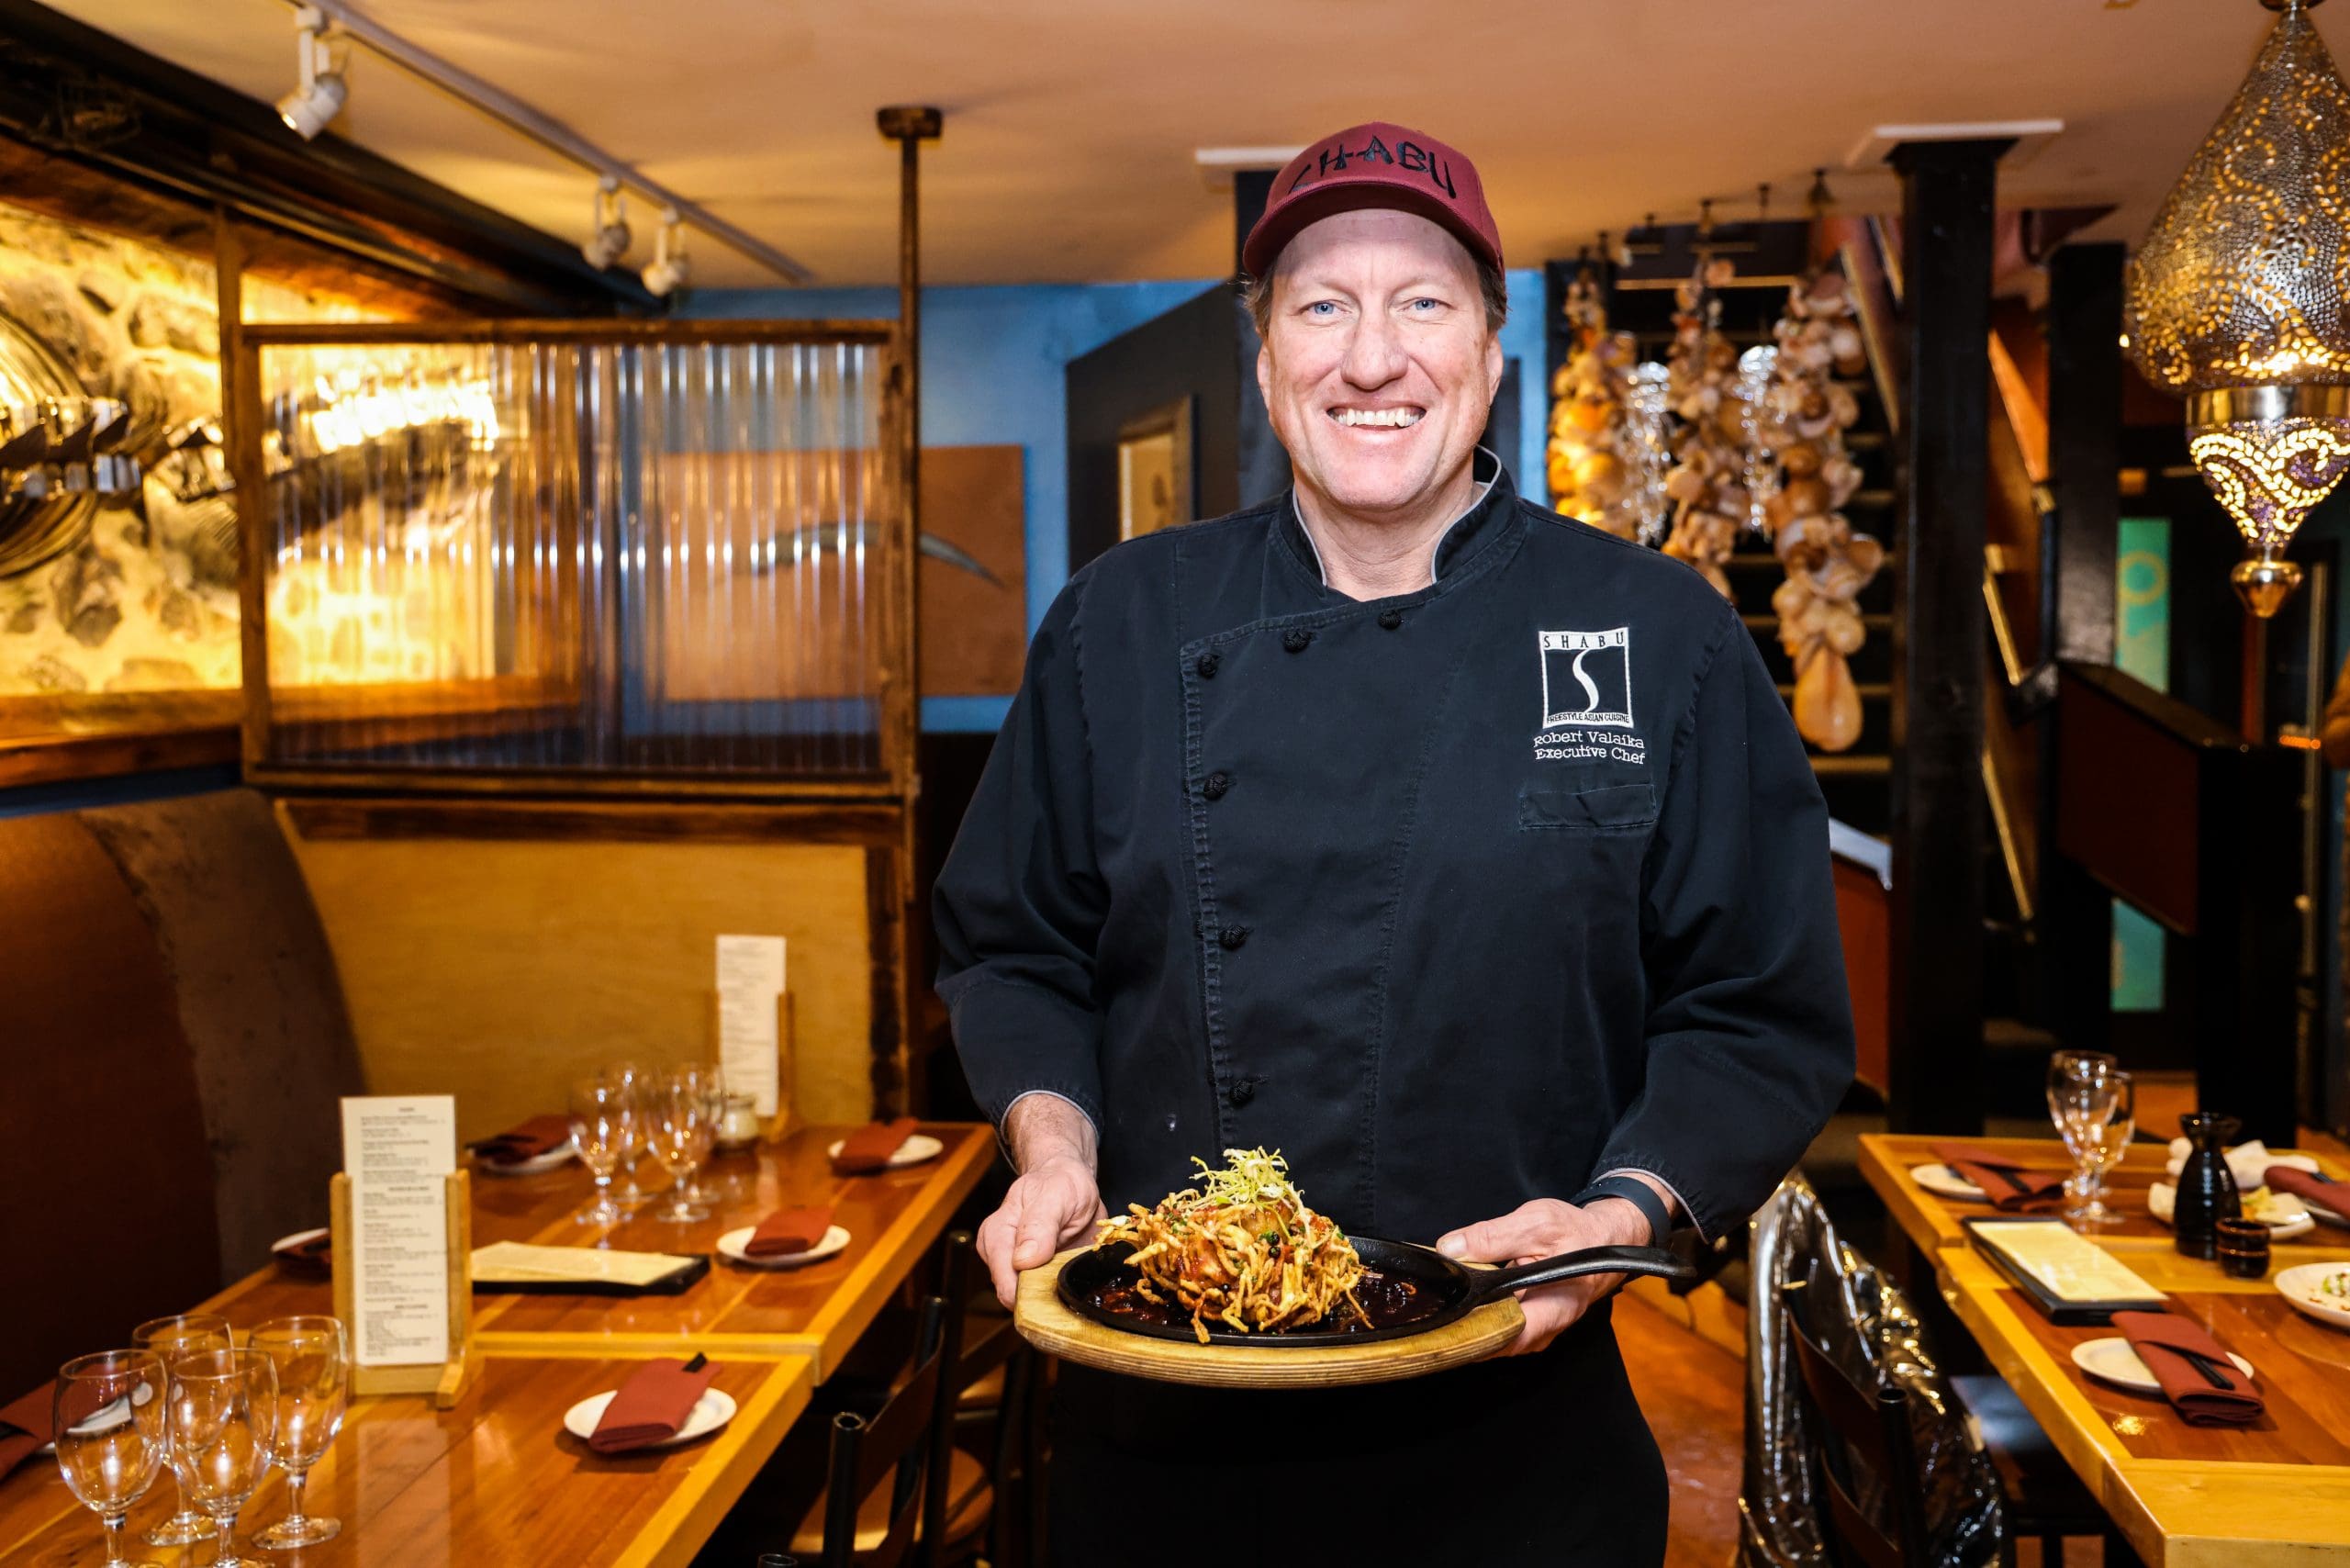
[2312, 1188]
[24, 1428]
[787, 1231]
[2155, 1335]
[2010, 1187]
[649, 1406]
[527, 1141]
[869, 1149]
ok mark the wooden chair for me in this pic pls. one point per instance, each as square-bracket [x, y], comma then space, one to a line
[982, 1355]
[859, 1522]
[1873, 1427]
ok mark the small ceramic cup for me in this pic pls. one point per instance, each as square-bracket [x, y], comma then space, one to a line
[2242, 1247]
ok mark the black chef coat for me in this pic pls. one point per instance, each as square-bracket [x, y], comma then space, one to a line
[1457, 898]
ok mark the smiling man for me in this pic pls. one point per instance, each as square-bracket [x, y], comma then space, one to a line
[1464, 853]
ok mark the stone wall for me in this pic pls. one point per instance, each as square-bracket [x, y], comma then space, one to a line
[148, 603]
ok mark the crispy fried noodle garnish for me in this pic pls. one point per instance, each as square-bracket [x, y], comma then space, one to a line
[1241, 1249]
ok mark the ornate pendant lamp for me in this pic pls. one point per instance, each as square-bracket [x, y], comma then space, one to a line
[2237, 299]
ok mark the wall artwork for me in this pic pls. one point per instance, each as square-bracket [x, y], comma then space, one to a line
[972, 570]
[1155, 471]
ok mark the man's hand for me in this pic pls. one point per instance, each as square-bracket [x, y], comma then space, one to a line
[1054, 1201]
[1544, 1228]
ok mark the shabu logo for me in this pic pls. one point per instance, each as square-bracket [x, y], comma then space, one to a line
[1587, 678]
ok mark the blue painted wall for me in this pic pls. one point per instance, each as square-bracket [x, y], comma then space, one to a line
[993, 358]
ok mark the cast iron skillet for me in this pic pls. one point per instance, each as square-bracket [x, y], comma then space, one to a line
[1407, 1290]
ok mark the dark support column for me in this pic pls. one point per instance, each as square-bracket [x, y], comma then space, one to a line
[2076, 927]
[1939, 639]
[1264, 466]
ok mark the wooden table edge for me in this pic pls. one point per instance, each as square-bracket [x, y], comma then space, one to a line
[689, 1515]
[851, 1308]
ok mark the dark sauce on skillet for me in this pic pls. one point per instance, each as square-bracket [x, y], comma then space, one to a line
[1388, 1300]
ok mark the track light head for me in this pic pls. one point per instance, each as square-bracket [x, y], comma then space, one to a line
[670, 269]
[610, 239]
[320, 95]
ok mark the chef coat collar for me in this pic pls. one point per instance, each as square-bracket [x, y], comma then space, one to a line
[1496, 497]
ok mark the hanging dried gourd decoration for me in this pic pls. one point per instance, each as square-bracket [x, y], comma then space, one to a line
[1806, 415]
[1593, 474]
[1705, 484]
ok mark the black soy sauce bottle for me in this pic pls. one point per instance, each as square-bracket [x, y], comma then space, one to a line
[2206, 1189]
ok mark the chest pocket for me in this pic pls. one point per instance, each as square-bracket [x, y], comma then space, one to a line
[1607, 808]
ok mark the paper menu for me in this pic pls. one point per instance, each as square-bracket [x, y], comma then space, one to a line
[399, 1153]
[750, 979]
[514, 1261]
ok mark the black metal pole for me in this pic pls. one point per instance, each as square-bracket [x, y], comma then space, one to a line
[1939, 638]
[2084, 330]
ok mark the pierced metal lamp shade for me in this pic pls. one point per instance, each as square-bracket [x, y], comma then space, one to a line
[2239, 299]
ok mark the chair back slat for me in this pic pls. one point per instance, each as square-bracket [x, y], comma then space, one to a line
[866, 1450]
[1872, 1426]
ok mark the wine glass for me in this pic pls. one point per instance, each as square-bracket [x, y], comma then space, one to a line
[603, 1125]
[108, 1418]
[713, 1078]
[312, 1359]
[169, 1337]
[2104, 1144]
[223, 1418]
[681, 1132]
[638, 1086]
[2081, 1096]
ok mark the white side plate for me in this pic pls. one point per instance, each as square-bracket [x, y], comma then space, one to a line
[734, 1241]
[917, 1147]
[287, 1243]
[2299, 1287]
[2162, 1196]
[711, 1411]
[2112, 1360]
[1943, 1181]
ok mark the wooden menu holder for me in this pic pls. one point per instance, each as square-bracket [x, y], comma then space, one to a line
[785, 1116]
[446, 1381]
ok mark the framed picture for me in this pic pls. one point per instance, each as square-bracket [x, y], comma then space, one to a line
[1154, 470]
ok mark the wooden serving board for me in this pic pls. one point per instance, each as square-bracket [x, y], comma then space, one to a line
[1045, 1322]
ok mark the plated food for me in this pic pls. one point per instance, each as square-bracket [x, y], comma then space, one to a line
[2285, 1215]
[1241, 1249]
[2318, 1290]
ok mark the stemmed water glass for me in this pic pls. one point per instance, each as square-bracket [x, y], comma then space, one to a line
[312, 1360]
[108, 1418]
[637, 1086]
[171, 1337]
[681, 1132]
[2093, 1104]
[603, 1127]
[222, 1419]
[712, 1078]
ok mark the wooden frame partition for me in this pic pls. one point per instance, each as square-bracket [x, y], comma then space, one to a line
[868, 806]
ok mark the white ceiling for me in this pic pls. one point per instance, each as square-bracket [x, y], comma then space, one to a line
[1070, 124]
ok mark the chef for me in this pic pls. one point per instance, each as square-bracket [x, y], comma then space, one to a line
[1462, 853]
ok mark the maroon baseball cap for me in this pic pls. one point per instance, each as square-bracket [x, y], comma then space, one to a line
[1377, 165]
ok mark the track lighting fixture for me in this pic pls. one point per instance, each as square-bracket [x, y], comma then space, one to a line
[670, 269]
[311, 106]
[610, 239]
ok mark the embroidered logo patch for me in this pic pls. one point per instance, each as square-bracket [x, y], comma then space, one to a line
[1587, 678]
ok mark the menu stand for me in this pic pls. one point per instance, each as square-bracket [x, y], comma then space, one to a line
[446, 1382]
[785, 1118]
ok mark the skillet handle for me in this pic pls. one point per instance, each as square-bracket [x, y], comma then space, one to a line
[1486, 1284]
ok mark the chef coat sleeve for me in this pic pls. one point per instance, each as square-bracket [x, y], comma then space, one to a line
[1749, 1044]
[1019, 903]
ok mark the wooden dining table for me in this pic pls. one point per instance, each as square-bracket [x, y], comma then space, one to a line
[2277, 1492]
[495, 1478]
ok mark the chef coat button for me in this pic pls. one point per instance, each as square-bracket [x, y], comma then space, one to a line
[1214, 785]
[1295, 639]
[1231, 937]
[1207, 665]
[1390, 619]
[1241, 1092]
